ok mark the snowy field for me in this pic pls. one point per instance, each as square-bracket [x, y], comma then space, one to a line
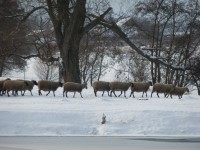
[61, 116]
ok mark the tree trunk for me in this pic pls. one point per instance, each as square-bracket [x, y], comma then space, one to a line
[1, 71]
[196, 83]
[68, 20]
[47, 74]
[2, 65]
[159, 73]
[198, 88]
[100, 67]
[71, 71]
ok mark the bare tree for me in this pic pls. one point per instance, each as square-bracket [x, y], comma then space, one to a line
[93, 54]
[194, 72]
[45, 47]
[173, 36]
[45, 71]
[139, 68]
[69, 21]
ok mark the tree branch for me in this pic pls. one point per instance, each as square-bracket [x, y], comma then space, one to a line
[26, 17]
[32, 11]
[95, 22]
[26, 57]
[50, 59]
[122, 35]
[50, 12]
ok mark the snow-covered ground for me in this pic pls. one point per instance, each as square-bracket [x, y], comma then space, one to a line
[61, 116]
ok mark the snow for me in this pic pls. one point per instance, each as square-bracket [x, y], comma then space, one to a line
[29, 72]
[60, 116]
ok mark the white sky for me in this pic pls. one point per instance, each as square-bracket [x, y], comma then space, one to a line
[123, 4]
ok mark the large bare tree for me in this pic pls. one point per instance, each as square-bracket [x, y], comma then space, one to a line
[69, 22]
